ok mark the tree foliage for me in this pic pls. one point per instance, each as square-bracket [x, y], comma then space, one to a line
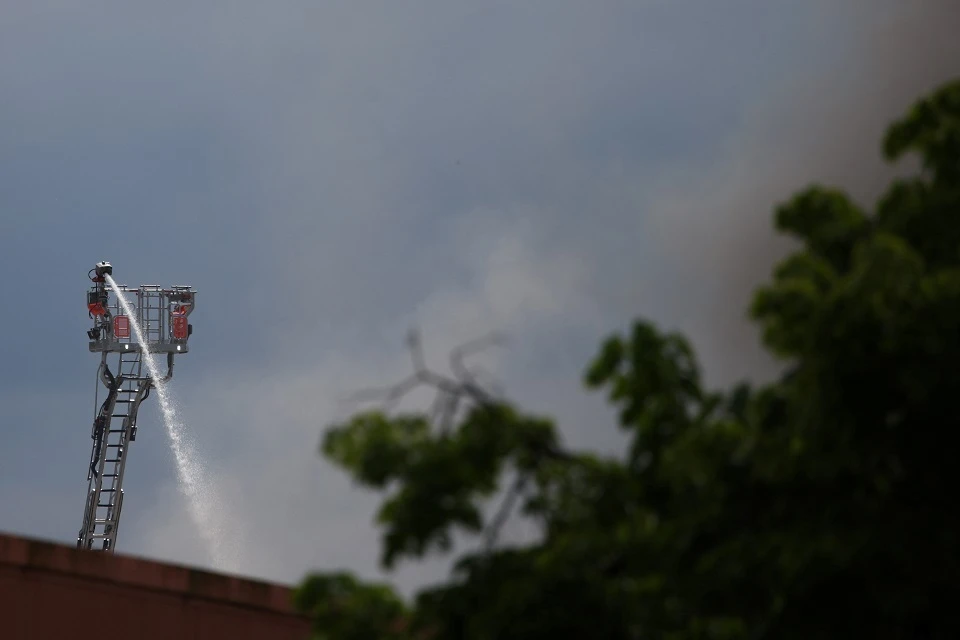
[814, 506]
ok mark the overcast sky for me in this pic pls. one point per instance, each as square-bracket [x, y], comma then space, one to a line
[328, 174]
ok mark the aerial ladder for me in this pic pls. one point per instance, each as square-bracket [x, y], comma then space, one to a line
[161, 314]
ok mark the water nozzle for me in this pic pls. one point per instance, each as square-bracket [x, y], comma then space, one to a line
[103, 268]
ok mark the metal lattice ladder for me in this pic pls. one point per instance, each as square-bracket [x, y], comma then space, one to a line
[115, 427]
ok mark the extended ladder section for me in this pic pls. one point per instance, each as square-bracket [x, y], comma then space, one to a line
[114, 428]
[161, 314]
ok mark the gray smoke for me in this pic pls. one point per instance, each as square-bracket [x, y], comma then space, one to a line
[825, 127]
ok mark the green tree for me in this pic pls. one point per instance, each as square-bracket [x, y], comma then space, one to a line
[815, 506]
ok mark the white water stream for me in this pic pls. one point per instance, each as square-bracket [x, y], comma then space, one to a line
[202, 503]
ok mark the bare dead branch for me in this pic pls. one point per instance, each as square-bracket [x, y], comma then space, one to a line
[438, 407]
[492, 533]
[474, 346]
[415, 345]
[486, 380]
[462, 373]
[449, 415]
[386, 394]
[451, 391]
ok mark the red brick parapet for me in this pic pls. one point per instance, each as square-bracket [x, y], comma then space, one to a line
[32, 573]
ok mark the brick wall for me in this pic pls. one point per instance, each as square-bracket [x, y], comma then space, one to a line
[55, 591]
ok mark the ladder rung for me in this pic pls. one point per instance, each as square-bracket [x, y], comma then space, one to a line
[112, 460]
[104, 506]
[110, 475]
[116, 431]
